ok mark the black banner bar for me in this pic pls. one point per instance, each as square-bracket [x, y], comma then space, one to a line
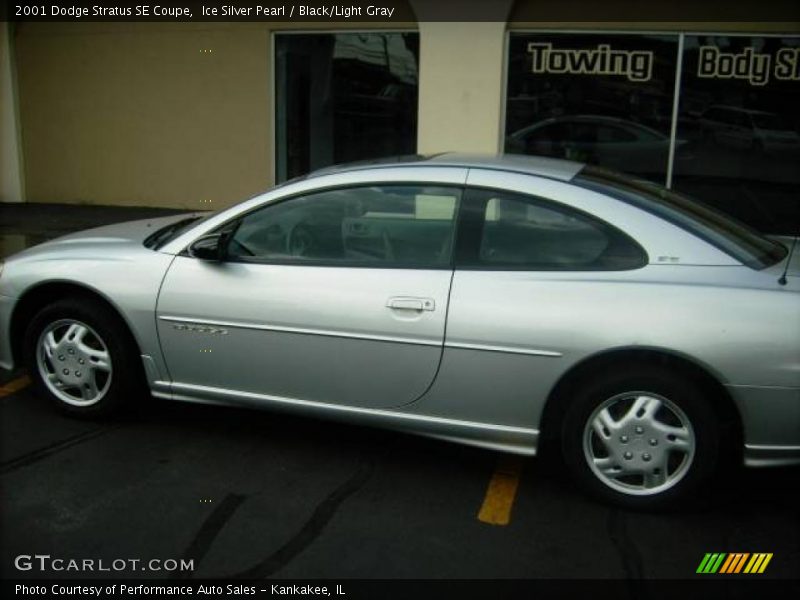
[397, 11]
[708, 587]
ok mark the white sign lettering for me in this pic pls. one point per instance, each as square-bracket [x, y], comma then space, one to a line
[602, 60]
[749, 65]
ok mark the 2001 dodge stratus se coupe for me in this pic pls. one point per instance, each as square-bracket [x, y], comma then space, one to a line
[500, 302]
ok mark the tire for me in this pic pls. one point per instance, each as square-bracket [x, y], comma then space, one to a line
[642, 439]
[82, 357]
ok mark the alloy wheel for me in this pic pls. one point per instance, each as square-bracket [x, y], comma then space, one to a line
[639, 443]
[74, 362]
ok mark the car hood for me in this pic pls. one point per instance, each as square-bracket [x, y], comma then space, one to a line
[98, 241]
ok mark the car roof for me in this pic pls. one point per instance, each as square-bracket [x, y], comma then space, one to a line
[543, 166]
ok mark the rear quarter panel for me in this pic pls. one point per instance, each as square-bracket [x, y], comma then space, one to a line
[512, 335]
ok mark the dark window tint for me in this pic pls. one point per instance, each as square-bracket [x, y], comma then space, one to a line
[390, 226]
[344, 97]
[520, 232]
[738, 129]
[615, 135]
[592, 92]
[737, 239]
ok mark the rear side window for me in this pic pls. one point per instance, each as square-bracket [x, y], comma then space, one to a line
[738, 240]
[513, 231]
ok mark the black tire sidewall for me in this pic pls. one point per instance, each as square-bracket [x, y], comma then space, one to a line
[677, 388]
[125, 381]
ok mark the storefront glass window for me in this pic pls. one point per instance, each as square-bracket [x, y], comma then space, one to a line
[739, 111]
[608, 99]
[344, 97]
[605, 99]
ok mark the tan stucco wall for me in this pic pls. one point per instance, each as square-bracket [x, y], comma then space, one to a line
[11, 188]
[127, 115]
[460, 87]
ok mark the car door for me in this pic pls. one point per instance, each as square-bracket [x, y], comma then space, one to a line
[528, 298]
[336, 296]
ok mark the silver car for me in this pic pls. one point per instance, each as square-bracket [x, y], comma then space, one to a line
[512, 303]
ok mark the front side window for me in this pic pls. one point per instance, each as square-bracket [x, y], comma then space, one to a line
[371, 226]
[521, 232]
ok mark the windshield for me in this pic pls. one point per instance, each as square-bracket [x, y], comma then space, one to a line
[741, 241]
[166, 234]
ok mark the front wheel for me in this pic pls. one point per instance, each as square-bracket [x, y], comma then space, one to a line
[646, 439]
[80, 357]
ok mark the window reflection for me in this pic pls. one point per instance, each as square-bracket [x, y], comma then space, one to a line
[740, 111]
[597, 98]
[344, 97]
[607, 100]
[524, 232]
[386, 226]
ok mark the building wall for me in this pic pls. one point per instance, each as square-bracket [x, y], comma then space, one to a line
[460, 88]
[144, 115]
[148, 114]
[181, 115]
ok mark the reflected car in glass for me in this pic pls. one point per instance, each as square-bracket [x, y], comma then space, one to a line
[612, 142]
[513, 303]
[744, 129]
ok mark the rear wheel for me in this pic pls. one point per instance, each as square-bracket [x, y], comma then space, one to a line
[81, 357]
[643, 439]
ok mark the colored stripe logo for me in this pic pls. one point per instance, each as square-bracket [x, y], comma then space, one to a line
[734, 562]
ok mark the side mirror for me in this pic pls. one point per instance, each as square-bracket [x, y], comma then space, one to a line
[209, 247]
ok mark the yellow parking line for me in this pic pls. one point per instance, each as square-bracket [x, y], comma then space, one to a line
[15, 385]
[499, 499]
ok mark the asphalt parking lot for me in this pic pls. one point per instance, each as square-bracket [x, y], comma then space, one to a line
[255, 495]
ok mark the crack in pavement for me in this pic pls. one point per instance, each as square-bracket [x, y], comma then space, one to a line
[313, 527]
[41, 453]
[208, 532]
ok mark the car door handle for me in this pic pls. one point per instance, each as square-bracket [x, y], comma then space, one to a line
[410, 303]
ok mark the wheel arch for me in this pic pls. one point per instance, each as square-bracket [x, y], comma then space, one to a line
[709, 382]
[37, 297]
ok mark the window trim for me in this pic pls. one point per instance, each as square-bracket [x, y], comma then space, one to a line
[471, 219]
[449, 265]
